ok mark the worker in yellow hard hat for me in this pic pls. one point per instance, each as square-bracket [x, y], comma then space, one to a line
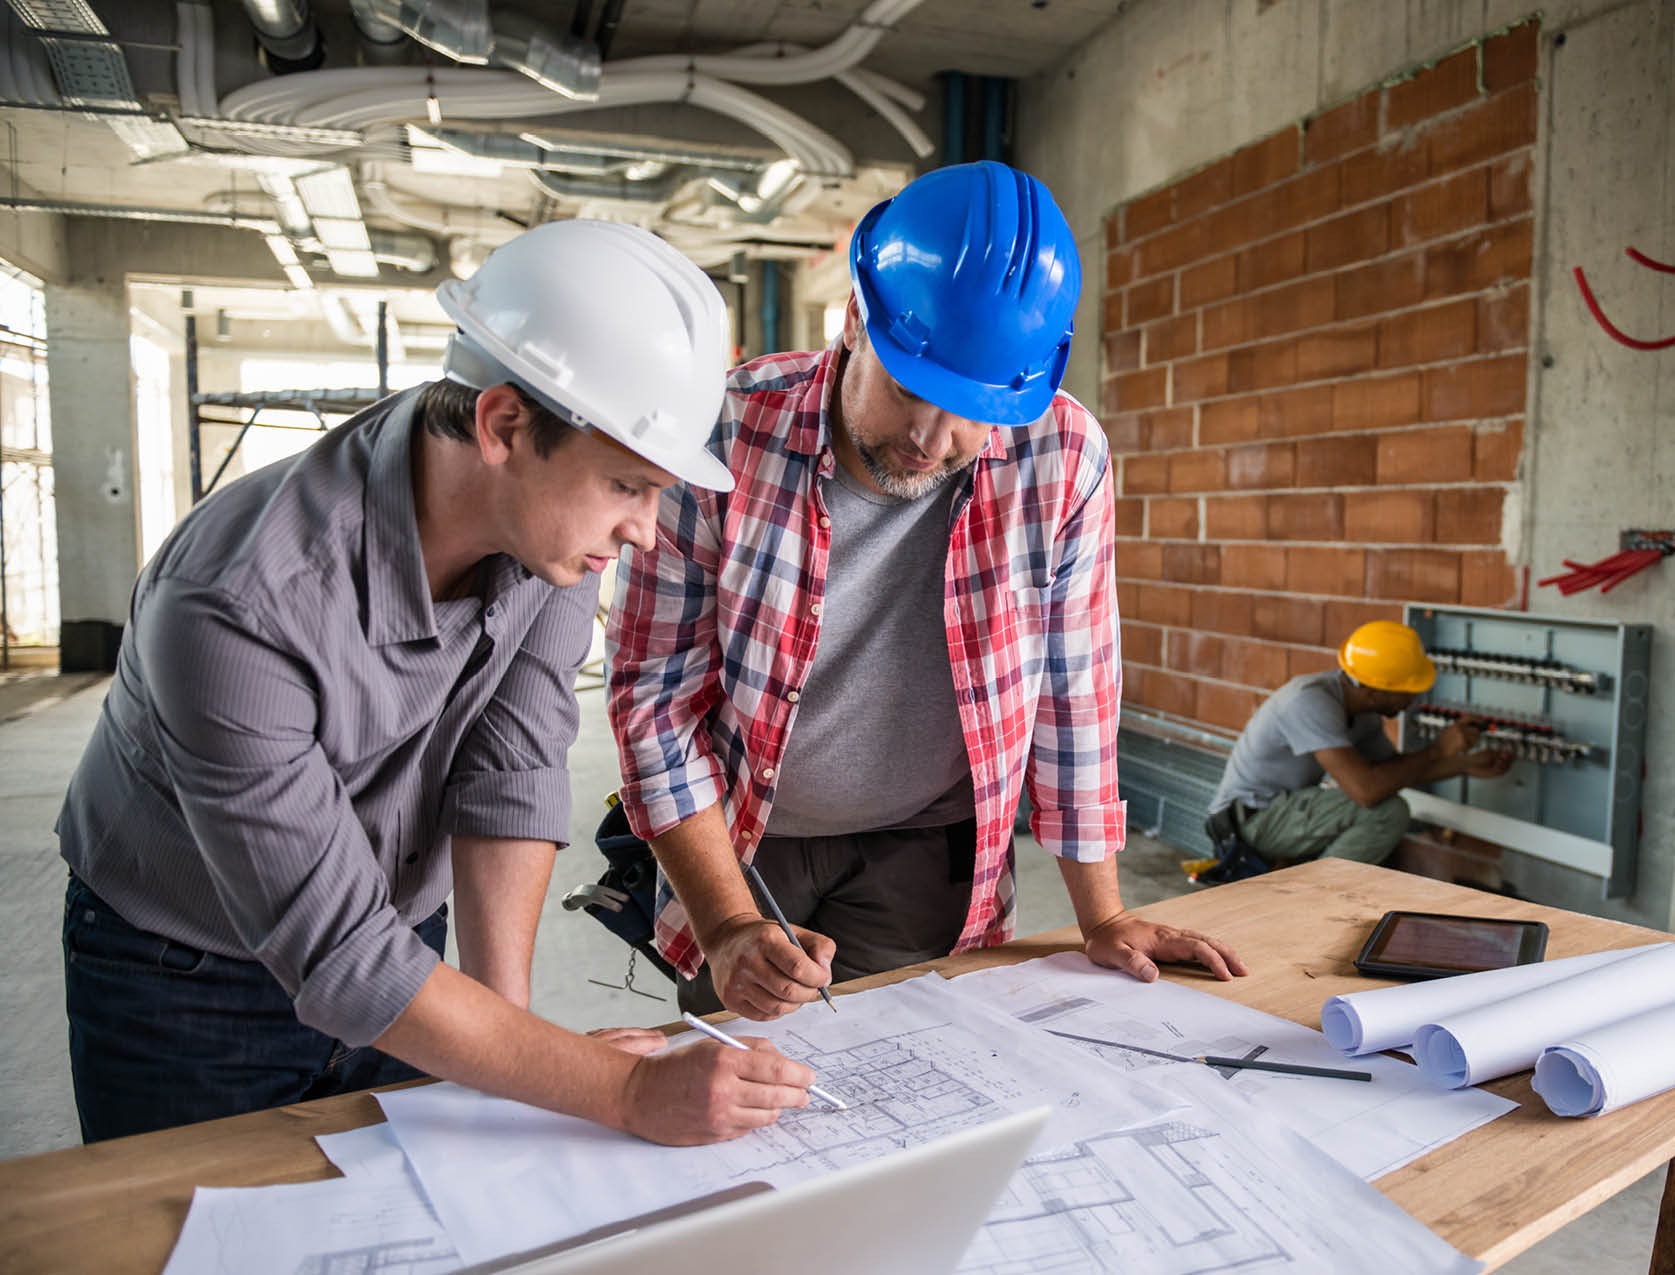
[1272, 797]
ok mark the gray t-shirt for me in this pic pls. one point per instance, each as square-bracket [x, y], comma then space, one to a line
[876, 740]
[295, 730]
[1275, 754]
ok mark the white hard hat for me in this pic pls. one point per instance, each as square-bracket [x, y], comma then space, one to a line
[608, 326]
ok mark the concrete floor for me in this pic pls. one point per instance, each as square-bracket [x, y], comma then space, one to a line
[44, 723]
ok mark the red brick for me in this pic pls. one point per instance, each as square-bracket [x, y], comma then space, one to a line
[1440, 208]
[1291, 413]
[1449, 84]
[1513, 57]
[1168, 428]
[1343, 129]
[1122, 351]
[1307, 304]
[1509, 186]
[1303, 199]
[1167, 693]
[1145, 475]
[1204, 189]
[1253, 663]
[1428, 336]
[1481, 388]
[1271, 262]
[1494, 126]
[1500, 254]
[1172, 519]
[1143, 561]
[1487, 579]
[1381, 286]
[1192, 564]
[1253, 566]
[1339, 352]
[1414, 575]
[1266, 162]
[1208, 281]
[1425, 455]
[1343, 618]
[1174, 247]
[1113, 230]
[1119, 268]
[1197, 471]
[1286, 619]
[1503, 319]
[1375, 174]
[1125, 431]
[1231, 420]
[1262, 367]
[1389, 517]
[1301, 661]
[1200, 378]
[1261, 466]
[1153, 299]
[1111, 314]
[1229, 706]
[1218, 611]
[1469, 515]
[1311, 517]
[1164, 604]
[1135, 391]
[1131, 517]
[1326, 569]
[1355, 236]
[1236, 518]
[1375, 402]
[1172, 339]
[1128, 597]
[1495, 449]
[1148, 214]
[1142, 643]
[1348, 460]
[1198, 653]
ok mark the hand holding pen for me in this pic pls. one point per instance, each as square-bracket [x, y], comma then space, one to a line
[763, 893]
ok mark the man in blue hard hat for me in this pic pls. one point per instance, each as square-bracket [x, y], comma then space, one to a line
[846, 670]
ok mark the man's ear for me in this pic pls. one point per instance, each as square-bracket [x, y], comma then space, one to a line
[501, 415]
[854, 331]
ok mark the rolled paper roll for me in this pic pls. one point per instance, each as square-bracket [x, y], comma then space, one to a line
[1612, 1067]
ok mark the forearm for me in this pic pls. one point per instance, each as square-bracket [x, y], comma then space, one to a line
[457, 1029]
[697, 856]
[1388, 778]
[1093, 891]
[500, 884]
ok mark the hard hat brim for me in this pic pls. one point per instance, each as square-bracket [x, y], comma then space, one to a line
[1418, 684]
[963, 397]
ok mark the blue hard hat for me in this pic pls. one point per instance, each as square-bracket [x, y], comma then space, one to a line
[967, 282]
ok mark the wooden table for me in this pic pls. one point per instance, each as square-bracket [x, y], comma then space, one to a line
[118, 1206]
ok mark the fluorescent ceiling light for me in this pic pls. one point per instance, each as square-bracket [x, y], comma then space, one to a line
[341, 234]
[329, 192]
[352, 264]
[283, 251]
[298, 277]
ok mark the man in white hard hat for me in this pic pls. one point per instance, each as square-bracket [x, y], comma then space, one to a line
[346, 687]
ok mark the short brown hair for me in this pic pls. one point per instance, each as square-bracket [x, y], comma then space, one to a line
[449, 410]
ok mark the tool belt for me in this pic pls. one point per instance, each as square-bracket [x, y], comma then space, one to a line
[1234, 859]
[624, 899]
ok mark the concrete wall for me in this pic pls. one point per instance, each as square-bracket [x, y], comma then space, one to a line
[1170, 88]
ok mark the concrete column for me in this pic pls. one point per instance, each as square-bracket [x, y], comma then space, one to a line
[93, 463]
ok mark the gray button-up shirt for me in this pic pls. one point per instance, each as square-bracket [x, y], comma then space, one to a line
[295, 729]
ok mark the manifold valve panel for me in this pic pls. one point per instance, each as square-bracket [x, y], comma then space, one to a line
[1568, 699]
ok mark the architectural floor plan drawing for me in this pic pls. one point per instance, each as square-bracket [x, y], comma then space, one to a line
[1148, 1030]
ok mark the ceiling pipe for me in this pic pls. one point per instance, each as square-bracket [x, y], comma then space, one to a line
[656, 190]
[287, 34]
[609, 18]
[383, 41]
[461, 30]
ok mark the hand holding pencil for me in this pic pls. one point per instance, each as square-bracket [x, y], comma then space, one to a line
[764, 968]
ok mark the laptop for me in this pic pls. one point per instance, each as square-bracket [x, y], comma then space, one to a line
[911, 1213]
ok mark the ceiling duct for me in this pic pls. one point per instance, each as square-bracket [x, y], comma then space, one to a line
[384, 42]
[287, 34]
[461, 29]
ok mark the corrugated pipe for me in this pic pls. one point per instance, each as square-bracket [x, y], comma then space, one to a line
[461, 30]
[655, 190]
[287, 34]
[384, 42]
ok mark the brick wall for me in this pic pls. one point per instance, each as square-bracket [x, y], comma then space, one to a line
[1314, 355]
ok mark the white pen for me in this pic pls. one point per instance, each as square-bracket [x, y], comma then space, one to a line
[732, 1042]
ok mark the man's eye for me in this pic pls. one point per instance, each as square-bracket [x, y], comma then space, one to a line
[624, 489]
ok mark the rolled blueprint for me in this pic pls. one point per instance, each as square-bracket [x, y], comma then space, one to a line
[1602, 1070]
[1388, 1017]
[1494, 1040]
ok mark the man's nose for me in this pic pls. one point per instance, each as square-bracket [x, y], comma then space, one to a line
[932, 431]
[639, 529]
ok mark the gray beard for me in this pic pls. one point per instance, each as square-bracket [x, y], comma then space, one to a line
[901, 486]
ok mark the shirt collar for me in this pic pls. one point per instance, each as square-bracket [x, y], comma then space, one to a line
[398, 607]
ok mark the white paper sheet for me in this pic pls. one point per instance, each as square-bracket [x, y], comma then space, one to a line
[1508, 1036]
[1388, 1017]
[373, 1224]
[1217, 1186]
[1609, 1067]
[368, 1151]
[913, 1061]
[1140, 1027]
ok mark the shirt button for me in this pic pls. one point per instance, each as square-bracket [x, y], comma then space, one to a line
[815, 609]
[767, 772]
[825, 521]
[493, 611]
[792, 696]
[412, 858]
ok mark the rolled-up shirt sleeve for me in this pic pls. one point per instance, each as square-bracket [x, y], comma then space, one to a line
[236, 718]
[510, 779]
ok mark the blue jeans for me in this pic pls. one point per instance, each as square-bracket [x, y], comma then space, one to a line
[162, 1034]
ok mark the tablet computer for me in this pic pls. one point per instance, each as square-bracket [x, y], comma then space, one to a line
[1437, 945]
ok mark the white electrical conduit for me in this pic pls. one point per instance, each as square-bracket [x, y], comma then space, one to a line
[876, 90]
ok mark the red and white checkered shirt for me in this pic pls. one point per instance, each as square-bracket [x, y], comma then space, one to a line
[714, 631]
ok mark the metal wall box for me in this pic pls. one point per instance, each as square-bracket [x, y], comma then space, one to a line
[1570, 698]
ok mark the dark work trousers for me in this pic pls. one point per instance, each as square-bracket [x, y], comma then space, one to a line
[162, 1034]
[887, 898]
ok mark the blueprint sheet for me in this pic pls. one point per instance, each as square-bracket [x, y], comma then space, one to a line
[1148, 1029]
[1219, 1186]
[913, 1061]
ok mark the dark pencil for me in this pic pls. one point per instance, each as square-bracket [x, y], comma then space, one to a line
[762, 890]
[1289, 1069]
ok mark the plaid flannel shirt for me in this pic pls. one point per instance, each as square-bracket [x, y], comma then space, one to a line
[713, 631]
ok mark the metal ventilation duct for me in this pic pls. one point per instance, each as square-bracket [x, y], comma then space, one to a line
[461, 29]
[287, 33]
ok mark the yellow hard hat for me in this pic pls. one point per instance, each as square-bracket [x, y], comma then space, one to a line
[1387, 656]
